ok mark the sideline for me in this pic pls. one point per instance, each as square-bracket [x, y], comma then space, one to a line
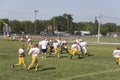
[105, 43]
[90, 74]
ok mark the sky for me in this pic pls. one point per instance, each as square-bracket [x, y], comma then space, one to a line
[81, 10]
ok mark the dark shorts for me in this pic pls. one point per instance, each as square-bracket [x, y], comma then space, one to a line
[44, 50]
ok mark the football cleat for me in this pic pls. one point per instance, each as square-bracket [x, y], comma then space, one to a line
[12, 66]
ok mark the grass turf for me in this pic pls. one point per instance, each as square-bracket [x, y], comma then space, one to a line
[99, 66]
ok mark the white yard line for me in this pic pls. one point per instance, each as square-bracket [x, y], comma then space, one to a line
[90, 74]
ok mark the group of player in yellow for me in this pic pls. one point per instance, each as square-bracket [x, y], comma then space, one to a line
[53, 46]
[21, 57]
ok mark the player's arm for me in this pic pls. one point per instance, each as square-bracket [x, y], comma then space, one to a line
[30, 51]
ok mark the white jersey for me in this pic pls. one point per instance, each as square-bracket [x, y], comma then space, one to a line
[43, 44]
[20, 51]
[34, 51]
[59, 42]
[83, 44]
[50, 42]
[55, 45]
[116, 53]
[63, 42]
[29, 39]
[78, 41]
[75, 46]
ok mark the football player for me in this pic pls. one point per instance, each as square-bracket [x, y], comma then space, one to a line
[34, 52]
[21, 57]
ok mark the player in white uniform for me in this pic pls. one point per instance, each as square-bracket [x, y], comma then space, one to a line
[43, 45]
[50, 45]
[29, 43]
[78, 40]
[56, 48]
[74, 50]
[116, 54]
[63, 44]
[58, 41]
[34, 52]
[21, 57]
[83, 46]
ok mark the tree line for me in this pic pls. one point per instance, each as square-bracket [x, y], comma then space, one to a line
[60, 23]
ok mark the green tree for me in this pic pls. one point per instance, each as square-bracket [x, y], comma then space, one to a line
[27, 27]
[69, 21]
[1, 25]
[15, 26]
[108, 27]
[95, 28]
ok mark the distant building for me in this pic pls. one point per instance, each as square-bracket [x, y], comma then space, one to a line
[83, 33]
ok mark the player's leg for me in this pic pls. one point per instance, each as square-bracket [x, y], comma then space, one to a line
[44, 51]
[85, 50]
[28, 47]
[58, 53]
[45, 55]
[82, 51]
[23, 62]
[36, 65]
[74, 52]
[70, 53]
[78, 53]
[19, 63]
[55, 51]
[119, 61]
[32, 63]
[51, 49]
[71, 56]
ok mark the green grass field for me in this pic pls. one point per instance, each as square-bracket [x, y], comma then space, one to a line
[99, 66]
